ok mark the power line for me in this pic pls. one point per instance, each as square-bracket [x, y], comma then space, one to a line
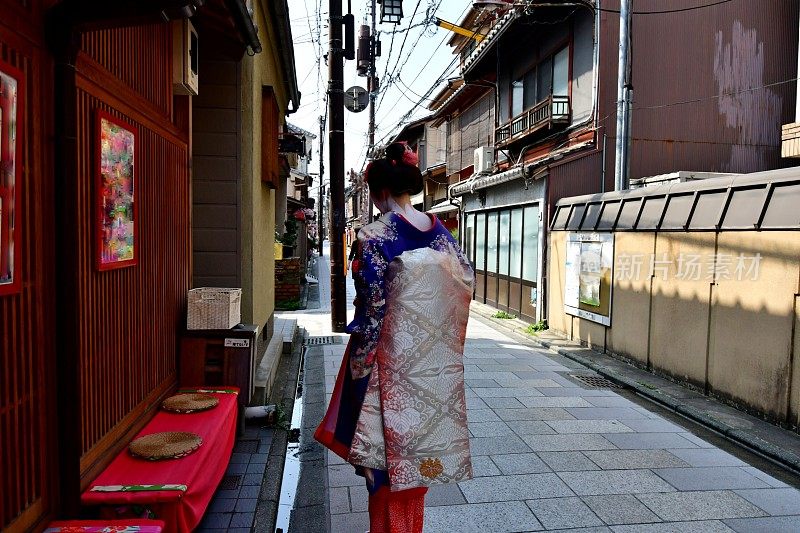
[659, 12]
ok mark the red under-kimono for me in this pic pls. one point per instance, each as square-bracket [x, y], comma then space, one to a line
[398, 407]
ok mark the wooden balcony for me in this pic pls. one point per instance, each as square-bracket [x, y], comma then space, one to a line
[552, 111]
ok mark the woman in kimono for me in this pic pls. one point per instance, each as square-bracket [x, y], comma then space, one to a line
[398, 411]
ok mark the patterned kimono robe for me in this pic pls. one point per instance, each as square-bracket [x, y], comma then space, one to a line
[398, 406]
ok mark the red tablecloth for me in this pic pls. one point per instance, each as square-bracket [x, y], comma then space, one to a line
[193, 479]
[105, 526]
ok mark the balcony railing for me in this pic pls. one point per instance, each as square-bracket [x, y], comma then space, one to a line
[550, 111]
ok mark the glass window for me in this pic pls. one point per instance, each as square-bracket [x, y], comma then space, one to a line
[491, 243]
[544, 79]
[505, 227]
[529, 97]
[515, 244]
[480, 241]
[530, 250]
[469, 234]
[561, 73]
[517, 91]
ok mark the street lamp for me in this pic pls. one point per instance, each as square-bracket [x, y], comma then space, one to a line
[391, 11]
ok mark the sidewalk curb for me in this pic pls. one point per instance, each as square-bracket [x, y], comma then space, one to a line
[580, 354]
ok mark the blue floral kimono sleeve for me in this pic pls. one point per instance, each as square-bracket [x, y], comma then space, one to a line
[369, 268]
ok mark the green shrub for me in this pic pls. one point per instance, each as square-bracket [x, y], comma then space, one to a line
[504, 315]
[533, 329]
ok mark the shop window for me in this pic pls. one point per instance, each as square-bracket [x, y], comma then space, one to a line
[515, 244]
[504, 238]
[491, 243]
[480, 242]
[530, 248]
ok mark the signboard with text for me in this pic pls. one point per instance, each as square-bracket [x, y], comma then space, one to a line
[589, 276]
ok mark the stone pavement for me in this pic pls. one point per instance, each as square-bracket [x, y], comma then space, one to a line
[551, 452]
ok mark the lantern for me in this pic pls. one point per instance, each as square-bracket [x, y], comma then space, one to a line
[391, 11]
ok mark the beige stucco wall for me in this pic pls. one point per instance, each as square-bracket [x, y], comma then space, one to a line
[750, 336]
[630, 301]
[258, 200]
[738, 337]
[679, 316]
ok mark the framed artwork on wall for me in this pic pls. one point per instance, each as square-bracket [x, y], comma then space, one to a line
[116, 207]
[12, 118]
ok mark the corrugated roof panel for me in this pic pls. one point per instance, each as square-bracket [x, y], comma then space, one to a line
[678, 209]
[651, 213]
[629, 214]
[591, 217]
[744, 208]
[706, 212]
[784, 208]
[609, 215]
[576, 216]
[562, 215]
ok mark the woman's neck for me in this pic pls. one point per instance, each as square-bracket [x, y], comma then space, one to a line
[402, 206]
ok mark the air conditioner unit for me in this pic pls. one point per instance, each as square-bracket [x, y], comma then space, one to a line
[484, 159]
[184, 58]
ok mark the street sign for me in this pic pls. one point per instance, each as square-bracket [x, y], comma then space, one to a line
[356, 99]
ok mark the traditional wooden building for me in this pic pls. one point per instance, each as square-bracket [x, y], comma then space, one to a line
[94, 284]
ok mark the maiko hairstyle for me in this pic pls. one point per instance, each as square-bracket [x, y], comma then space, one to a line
[397, 172]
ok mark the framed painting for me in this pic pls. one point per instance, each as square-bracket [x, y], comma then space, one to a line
[12, 90]
[116, 209]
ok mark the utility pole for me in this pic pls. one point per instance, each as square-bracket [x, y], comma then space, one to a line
[336, 149]
[372, 85]
[321, 196]
[624, 97]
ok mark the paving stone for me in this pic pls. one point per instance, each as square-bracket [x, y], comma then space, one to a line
[773, 524]
[226, 493]
[490, 429]
[334, 459]
[520, 463]
[561, 443]
[576, 391]
[605, 413]
[256, 468]
[589, 426]
[252, 479]
[216, 520]
[554, 401]
[477, 518]
[601, 529]
[531, 427]
[503, 403]
[474, 403]
[350, 522]
[707, 457]
[242, 520]
[561, 513]
[481, 415]
[704, 505]
[611, 401]
[517, 487]
[505, 366]
[246, 505]
[595, 483]
[448, 494]
[697, 440]
[479, 383]
[704, 526]
[766, 478]
[710, 478]
[483, 465]
[567, 461]
[497, 445]
[774, 501]
[648, 425]
[359, 498]
[649, 441]
[343, 476]
[620, 509]
[222, 505]
[534, 413]
[236, 468]
[257, 458]
[240, 457]
[514, 391]
[634, 459]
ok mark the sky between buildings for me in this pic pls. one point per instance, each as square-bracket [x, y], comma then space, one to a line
[424, 59]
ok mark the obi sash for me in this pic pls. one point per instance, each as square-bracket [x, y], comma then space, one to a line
[413, 422]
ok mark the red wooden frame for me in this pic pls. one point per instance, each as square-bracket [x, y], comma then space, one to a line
[10, 193]
[101, 115]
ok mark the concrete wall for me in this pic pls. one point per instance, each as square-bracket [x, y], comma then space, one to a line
[735, 338]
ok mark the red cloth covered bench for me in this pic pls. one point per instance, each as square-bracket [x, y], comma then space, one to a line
[133, 525]
[176, 491]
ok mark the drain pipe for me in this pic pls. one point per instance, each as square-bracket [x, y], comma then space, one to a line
[623, 95]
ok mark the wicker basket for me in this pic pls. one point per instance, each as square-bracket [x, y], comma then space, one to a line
[214, 308]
